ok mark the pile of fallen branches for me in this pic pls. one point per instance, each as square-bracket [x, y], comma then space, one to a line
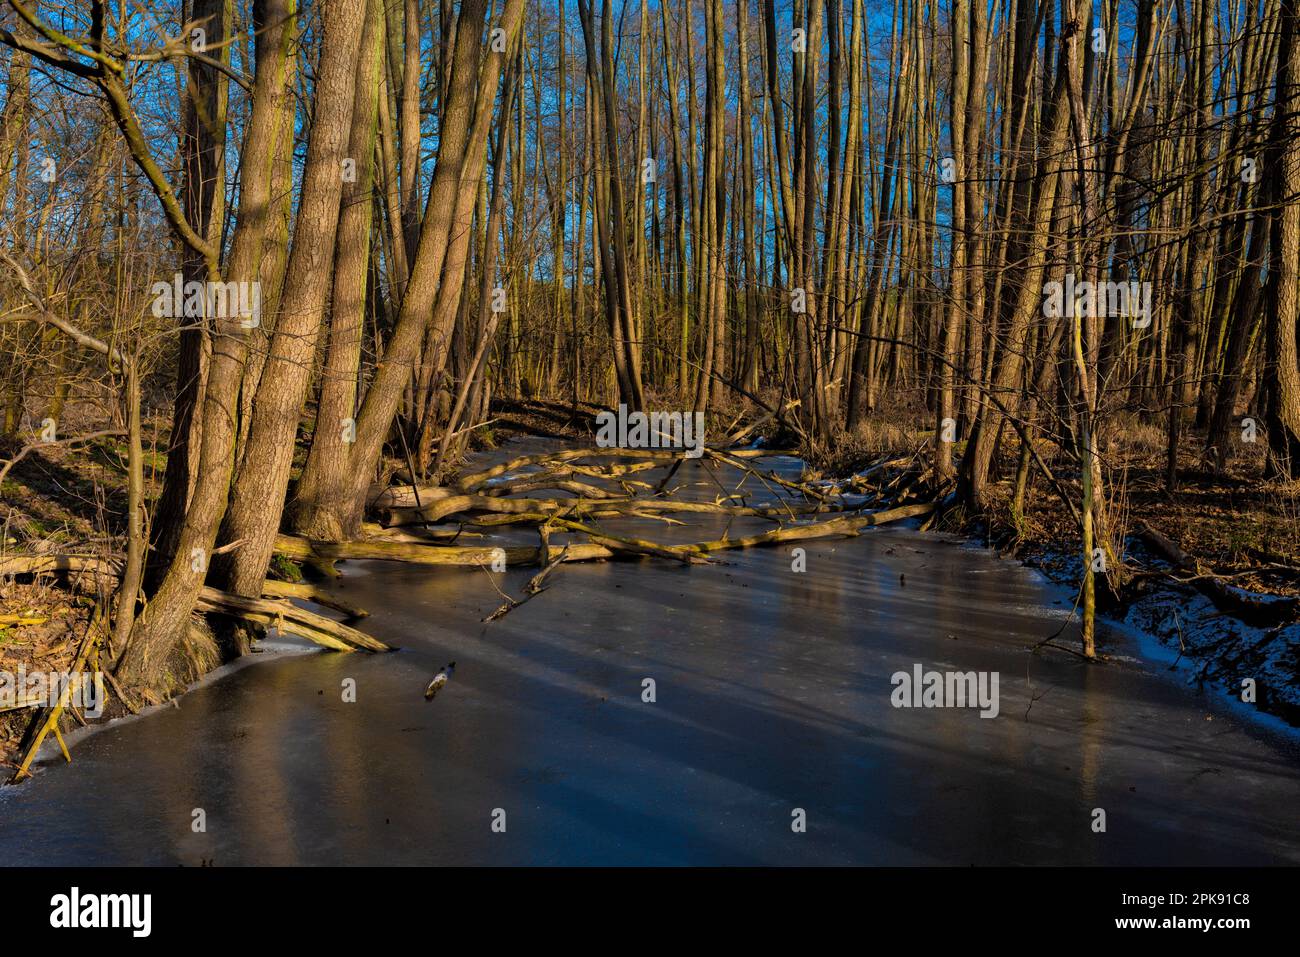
[586, 486]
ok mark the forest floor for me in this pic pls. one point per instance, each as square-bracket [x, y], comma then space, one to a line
[1242, 532]
[57, 500]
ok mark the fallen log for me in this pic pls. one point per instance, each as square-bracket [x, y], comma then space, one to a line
[612, 471]
[467, 483]
[404, 496]
[498, 520]
[75, 564]
[470, 556]
[566, 462]
[827, 529]
[637, 546]
[430, 535]
[437, 511]
[1249, 609]
[604, 545]
[307, 592]
[288, 618]
[573, 487]
[299, 549]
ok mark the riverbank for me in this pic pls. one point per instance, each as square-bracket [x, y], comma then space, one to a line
[51, 615]
[771, 692]
[1225, 605]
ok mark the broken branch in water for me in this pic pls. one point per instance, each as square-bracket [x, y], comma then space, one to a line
[279, 589]
[290, 619]
[535, 586]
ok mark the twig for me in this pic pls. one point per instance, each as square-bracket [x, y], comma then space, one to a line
[535, 586]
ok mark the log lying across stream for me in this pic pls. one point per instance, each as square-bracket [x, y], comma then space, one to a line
[483, 499]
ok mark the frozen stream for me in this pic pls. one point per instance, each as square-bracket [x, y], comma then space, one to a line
[772, 693]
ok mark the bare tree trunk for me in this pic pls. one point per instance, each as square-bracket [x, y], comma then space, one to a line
[380, 404]
[610, 212]
[1282, 362]
[258, 492]
[157, 631]
[203, 148]
[335, 429]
